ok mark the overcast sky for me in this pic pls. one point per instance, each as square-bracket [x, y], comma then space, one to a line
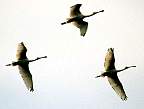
[65, 80]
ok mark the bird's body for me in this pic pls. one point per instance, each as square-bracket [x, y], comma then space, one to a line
[111, 74]
[76, 17]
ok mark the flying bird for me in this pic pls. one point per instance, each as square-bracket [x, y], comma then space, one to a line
[76, 17]
[111, 73]
[23, 65]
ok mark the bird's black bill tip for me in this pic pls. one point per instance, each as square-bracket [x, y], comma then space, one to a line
[133, 66]
[102, 11]
[130, 66]
[45, 56]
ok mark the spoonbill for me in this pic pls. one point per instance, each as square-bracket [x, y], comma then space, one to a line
[76, 17]
[23, 65]
[111, 74]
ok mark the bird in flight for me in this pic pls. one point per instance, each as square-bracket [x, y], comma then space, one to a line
[111, 73]
[23, 65]
[76, 17]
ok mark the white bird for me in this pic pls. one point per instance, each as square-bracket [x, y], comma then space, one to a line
[23, 65]
[111, 73]
[76, 17]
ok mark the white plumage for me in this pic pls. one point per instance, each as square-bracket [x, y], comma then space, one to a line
[76, 17]
[111, 73]
[23, 66]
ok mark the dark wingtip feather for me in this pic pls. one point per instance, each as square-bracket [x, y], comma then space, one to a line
[31, 90]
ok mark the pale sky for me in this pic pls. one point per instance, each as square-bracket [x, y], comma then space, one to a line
[65, 80]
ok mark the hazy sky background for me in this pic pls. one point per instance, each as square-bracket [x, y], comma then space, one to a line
[65, 80]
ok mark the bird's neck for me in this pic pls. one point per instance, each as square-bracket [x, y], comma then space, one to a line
[93, 13]
[89, 15]
[121, 70]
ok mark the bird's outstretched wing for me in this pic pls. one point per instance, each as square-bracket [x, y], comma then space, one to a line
[23, 66]
[75, 10]
[26, 76]
[117, 86]
[82, 25]
[109, 63]
[21, 51]
[83, 28]
[112, 76]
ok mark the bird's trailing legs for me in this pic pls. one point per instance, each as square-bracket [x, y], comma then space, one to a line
[20, 61]
[106, 73]
[69, 20]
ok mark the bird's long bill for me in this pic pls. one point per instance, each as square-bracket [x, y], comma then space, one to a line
[101, 11]
[98, 11]
[132, 66]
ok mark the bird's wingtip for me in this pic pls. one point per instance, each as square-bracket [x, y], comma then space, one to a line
[21, 42]
[79, 4]
[31, 90]
[124, 98]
